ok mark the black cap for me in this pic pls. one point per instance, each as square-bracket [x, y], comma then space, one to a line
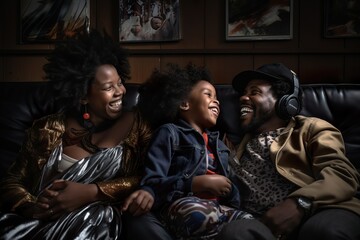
[270, 72]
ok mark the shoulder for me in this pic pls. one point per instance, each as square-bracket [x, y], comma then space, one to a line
[167, 132]
[46, 132]
[314, 124]
[169, 128]
[304, 120]
[53, 122]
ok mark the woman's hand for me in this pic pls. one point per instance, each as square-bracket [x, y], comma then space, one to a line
[217, 185]
[30, 210]
[138, 203]
[64, 197]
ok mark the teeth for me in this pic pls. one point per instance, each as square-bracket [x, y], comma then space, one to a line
[215, 111]
[245, 110]
[116, 104]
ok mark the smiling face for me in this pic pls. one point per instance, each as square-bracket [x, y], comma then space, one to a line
[105, 95]
[257, 108]
[201, 109]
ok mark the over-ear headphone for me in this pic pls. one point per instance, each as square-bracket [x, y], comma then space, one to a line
[289, 104]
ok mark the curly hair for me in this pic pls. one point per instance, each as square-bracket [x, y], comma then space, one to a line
[162, 94]
[72, 65]
[280, 88]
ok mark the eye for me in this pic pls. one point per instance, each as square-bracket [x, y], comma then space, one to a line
[254, 92]
[208, 93]
[108, 88]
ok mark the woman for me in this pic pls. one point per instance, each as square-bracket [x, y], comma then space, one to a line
[76, 164]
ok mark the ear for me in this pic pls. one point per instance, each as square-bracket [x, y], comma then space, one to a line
[184, 106]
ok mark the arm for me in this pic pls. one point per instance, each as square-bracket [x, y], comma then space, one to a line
[18, 187]
[334, 177]
[329, 179]
[163, 178]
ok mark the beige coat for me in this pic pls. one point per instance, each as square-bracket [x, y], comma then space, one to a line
[310, 153]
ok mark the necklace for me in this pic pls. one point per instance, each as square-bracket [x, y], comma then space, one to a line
[88, 145]
[83, 137]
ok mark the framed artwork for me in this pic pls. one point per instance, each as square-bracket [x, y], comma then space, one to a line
[48, 21]
[259, 20]
[342, 18]
[149, 20]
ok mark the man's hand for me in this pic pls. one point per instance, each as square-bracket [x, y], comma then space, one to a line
[138, 203]
[283, 218]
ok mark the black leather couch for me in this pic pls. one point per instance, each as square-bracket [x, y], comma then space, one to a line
[23, 102]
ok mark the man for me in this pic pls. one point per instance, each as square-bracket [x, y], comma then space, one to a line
[291, 169]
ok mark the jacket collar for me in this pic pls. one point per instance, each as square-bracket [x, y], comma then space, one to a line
[185, 126]
[241, 147]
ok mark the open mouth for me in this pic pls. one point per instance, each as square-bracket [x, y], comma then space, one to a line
[215, 111]
[245, 110]
[116, 106]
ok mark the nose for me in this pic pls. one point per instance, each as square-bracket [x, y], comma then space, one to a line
[244, 98]
[120, 90]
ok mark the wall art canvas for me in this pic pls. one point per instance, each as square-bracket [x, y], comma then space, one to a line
[342, 18]
[149, 20]
[259, 19]
[52, 20]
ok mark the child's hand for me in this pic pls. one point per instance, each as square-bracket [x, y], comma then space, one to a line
[217, 185]
[138, 203]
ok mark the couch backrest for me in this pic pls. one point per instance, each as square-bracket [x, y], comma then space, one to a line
[339, 105]
[23, 102]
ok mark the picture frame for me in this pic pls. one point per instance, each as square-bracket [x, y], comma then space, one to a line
[50, 21]
[149, 20]
[259, 20]
[341, 19]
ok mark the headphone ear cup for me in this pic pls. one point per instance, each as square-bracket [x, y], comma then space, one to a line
[293, 106]
[288, 106]
[281, 107]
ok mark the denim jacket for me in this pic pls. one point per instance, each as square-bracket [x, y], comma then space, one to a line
[176, 154]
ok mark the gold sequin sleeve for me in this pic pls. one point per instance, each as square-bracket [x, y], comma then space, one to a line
[135, 147]
[19, 184]
[119, 188]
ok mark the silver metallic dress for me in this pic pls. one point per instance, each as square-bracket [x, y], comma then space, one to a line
[98, 220]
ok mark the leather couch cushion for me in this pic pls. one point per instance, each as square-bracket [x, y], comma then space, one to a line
[20, 104]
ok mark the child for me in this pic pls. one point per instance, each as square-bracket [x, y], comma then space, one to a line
[187, 165]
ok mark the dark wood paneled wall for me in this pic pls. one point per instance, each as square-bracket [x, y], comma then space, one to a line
[315, 58]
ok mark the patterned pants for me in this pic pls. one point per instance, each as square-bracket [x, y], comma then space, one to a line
[195, 218]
